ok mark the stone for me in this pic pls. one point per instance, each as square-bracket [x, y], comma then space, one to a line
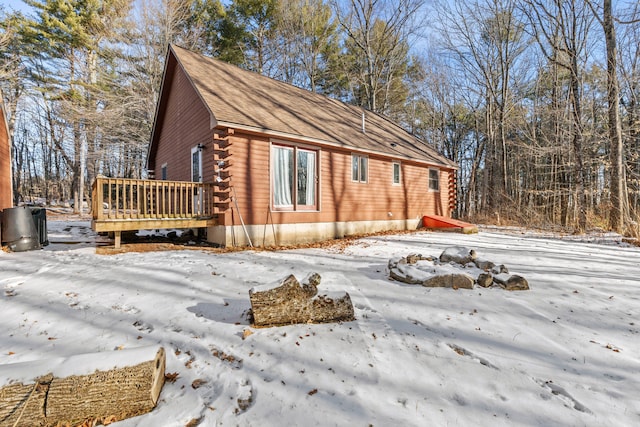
[457, 268]
[485, 280]
[483, 264]
[414, 258]
[501, 279]
[428, 274]
[402, 274]
[499, 269]
[511, 282]
[454, 281]
[458, 254]
[517, 283]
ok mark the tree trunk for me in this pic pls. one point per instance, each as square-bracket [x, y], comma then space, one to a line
[291, 302]
[108, 394]
[578, 171]
[617, 214]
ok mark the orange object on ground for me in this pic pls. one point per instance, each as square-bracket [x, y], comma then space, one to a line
[444, 223]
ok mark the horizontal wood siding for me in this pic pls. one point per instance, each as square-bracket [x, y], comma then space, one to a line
[185, 125]
[5, 164]
[341, 199]
[249, 179]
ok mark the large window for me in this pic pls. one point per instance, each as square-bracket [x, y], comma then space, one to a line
[359, 168]
[434, 180]
[295, 177]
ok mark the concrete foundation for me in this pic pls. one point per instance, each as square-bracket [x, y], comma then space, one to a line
[292, 234]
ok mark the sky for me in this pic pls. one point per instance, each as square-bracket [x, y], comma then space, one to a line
[17, 5]
[564, 352]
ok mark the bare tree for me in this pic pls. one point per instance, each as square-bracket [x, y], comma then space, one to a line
[487, 39]
[630, 95]
[561, 28]
[379, 32]
[619, 213]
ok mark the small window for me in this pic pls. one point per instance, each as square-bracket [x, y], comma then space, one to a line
[359, 168]
[434, 180]
[396, 173]
[163, 172]
[196, 163]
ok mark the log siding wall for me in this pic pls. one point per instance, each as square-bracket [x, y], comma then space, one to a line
[340, 198]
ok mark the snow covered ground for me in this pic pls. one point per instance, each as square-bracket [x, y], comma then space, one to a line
[565, 353]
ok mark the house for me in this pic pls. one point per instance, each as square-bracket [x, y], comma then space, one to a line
[288, 165]
[6, 187]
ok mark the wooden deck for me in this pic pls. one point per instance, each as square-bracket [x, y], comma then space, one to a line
[120, 204]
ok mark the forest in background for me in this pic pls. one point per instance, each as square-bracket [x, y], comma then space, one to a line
[536, 100]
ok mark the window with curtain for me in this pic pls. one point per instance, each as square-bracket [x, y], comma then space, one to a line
[294, 178]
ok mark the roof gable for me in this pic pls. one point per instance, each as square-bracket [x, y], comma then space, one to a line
[239, 98]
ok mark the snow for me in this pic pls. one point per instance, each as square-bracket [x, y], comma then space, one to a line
[563, 353]
[81, 364]
[457, 253]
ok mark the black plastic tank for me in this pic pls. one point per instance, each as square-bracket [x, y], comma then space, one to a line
[19, 232]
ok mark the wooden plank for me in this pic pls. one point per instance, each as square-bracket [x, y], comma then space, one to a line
[99, 199]
[131, 207]
[117, 198]
[151, 224]
[174, 199]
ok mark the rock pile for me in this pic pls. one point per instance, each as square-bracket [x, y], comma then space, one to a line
[457, 267]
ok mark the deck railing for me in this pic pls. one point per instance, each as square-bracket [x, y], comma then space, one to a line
[123, 199]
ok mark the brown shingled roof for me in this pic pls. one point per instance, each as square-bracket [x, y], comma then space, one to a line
[241, 98]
